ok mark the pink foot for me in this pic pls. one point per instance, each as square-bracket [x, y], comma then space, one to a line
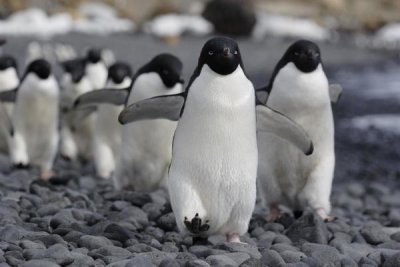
[233, 237]
[324, 216]
[274, 213]
[47, 175]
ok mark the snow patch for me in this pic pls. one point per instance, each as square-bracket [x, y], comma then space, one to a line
[175, 25]
[278, 25]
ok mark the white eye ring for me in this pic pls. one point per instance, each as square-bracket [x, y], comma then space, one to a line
[236, 52]
[296, 54]
[210, 53]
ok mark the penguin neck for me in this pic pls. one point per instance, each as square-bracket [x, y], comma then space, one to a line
[125, 83]
[148, 85]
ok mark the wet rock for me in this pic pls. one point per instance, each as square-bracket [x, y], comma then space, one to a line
[309, 228]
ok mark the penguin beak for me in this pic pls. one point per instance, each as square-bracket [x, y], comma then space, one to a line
[226, 52]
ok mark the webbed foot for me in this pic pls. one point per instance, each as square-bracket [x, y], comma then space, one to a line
[195, 226]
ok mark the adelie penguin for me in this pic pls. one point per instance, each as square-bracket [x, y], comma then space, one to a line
[299, 89]
[212, 176]
[107, 135]
[145, 153]
[35, 118]
[8, 80]
[76, 132]
[95, 68]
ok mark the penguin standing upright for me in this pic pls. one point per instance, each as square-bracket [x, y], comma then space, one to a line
[299, 89]
[107, 134]
[35, 118]
[145, 153]
[96, 69]
[76, 138]
[8, 80]
[212, 176]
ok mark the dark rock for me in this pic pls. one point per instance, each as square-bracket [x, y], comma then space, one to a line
[396, 236]
[292, 256]
[169, 263]
[231, 17]
[109, 251]
[141, 260]
[309, 228]
[156, 257]
[167, 222]
[392, 261]
[196, 263]
[238, 257]
[117, 232]
[252, 263]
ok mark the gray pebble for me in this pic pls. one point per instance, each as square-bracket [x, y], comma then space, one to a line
[39, 263]
[93, 242]
[238, 247]
[393, 261]
[156, 257]
[220, 260]
[309, 227]
[374, 234]
[272, 258]
[252, 263]
[167, 222]
[195, 263]
[323, 254]
[292, 256]
[141, 260]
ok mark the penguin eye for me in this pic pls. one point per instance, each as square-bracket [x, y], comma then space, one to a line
[236, 52]
[296, 54]
[211, 52]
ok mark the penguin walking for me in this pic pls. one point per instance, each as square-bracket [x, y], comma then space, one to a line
[35, 118]
[212, 176]
[8, 80]
[145, 153]
[107, 134]
[299, 89]
[76, 134]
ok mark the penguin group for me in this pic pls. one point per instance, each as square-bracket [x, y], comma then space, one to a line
[213, 144]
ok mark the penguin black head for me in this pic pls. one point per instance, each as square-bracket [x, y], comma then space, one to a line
[75, 67]
[168, 66]
[221, 54]
[119, 71]
[40, 67]
[94, 55]
[6, 62]
[304, 54]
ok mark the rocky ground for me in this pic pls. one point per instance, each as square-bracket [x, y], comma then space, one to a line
[80, 220]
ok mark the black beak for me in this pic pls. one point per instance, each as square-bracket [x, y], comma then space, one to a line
[226, 52]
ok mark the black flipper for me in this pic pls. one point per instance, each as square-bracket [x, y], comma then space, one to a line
[271, 121]
[335, 92]
[9, 95]
[77, 116]
[104, 96]
[160, 107]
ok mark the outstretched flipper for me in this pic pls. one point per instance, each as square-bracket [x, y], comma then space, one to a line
[160, 107]
[335, 91]
[271, 121]
[76, 116]
[104, 96]
[9, 95]
[195, 226]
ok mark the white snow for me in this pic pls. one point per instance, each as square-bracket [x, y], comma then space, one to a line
[384, 122]
[95, 18]
[389, 33]
[170, 25]
[279, 25]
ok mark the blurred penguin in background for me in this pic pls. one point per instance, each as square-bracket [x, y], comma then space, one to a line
[35, 119]
[107, 134]
[96, 69]
[8, 80]
[76, 132]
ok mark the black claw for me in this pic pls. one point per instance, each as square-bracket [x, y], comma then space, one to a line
[195, 226]
[21, 166]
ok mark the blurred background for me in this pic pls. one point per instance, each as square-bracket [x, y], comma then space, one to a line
[359, 39]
